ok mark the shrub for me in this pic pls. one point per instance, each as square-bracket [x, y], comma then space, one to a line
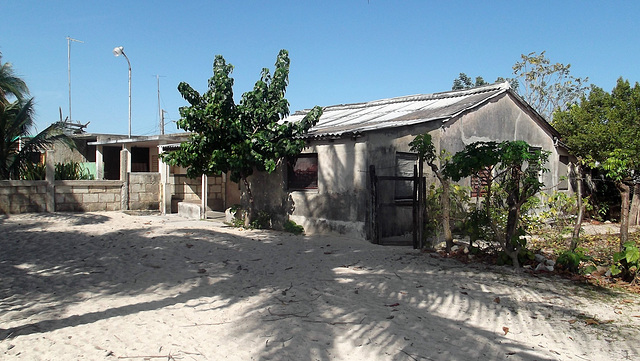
[627, 262]
[293, 227]
[571, 261]
[71, 171]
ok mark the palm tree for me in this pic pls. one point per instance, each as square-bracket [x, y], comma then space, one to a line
[10, 84]
[16, 122]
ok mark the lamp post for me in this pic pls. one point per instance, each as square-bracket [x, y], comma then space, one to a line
[117, 51]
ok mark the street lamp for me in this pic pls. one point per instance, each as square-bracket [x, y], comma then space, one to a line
[117, 51]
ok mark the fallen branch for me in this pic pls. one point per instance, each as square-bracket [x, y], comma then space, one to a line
[337, 322]
[284, 315]
[408, 354]
[168, 357]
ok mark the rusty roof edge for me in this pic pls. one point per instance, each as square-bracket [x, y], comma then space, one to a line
[503, 90]
[500, 87]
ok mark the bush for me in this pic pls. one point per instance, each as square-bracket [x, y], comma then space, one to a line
[571, 261]
[627, 262]
[293, 227]
[71, 171]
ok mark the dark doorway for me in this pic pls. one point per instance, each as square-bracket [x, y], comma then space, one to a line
[139, 159]
[111, 156]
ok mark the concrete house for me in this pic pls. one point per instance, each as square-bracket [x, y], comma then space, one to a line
[327, 187]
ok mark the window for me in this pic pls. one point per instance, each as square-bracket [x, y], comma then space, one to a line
[302, 172]
[404, 168]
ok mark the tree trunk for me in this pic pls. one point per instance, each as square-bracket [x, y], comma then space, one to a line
[250, 209]
[624, 213]
[445, 200]
[634, 214]
[446, 214]
[575, 237]
[510, 247]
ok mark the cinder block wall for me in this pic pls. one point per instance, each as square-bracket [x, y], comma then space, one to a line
[184, 189]
[23, 196]
[87, 196]
[144, 191]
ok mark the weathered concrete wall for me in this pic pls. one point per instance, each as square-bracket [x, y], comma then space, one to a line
[87, 196]
[502, 120]
[339, 202]
[23, 196]
[144, 191]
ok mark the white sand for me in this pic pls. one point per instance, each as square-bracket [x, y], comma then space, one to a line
[109, 286]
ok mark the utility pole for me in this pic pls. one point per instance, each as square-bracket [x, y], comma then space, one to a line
[69, 40]
[162, 121]
[160, 111]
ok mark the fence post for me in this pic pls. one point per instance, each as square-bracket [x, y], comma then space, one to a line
[373, 215]
[50, 177]
[415, 204]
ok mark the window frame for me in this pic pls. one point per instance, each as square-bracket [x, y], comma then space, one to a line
[291, 173]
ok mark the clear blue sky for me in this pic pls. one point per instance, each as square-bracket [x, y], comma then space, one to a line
[342, 51]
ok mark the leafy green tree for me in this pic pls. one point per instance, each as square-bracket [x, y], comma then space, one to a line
[517, 167]
[16, 124]
[423, 145]
[603, 131]
[547, 87]
[239, 138]
[463, 81]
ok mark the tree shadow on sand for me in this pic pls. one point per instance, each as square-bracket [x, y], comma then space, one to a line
[306, 298]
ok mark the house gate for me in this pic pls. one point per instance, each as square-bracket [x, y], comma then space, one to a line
[388, 213]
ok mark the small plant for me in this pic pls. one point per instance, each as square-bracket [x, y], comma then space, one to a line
[292, 227]
[262, 220]
[627, 262]
[571, 261]
[33, 171]
[71, 171]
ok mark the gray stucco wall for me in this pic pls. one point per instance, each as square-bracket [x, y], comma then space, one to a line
[501, 120]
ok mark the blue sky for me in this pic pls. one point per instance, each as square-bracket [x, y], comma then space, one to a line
[341, 51]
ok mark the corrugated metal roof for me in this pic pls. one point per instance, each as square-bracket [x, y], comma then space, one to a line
[344, 119]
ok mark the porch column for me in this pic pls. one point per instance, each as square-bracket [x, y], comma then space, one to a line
[165, 187]
[127, 147]
[99, 162]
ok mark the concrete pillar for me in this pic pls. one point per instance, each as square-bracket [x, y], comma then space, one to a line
[204, 196]
[127, 147]
[99, 162]
[124, 177]
[50, 174]
[224, 191]
[165, 186]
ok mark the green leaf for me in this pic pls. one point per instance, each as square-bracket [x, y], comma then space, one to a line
[632, 254]
[615, 270]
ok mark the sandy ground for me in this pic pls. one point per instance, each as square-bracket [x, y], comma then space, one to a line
[111, 286]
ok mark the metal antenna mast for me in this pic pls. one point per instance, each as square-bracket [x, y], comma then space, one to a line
[69, 40]
[160, 111]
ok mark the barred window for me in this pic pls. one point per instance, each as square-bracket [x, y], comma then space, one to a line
[479, 183]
